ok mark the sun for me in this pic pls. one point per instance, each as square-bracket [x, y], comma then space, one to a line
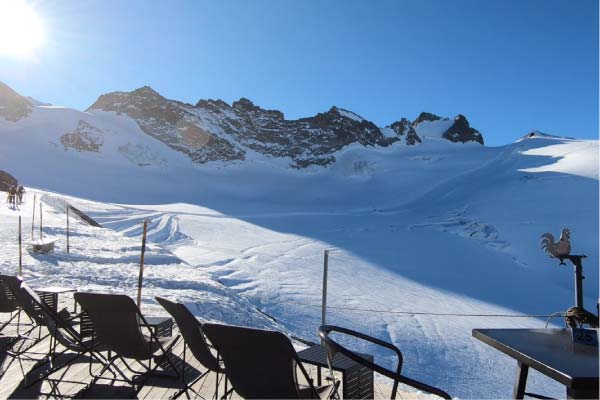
[21, 29]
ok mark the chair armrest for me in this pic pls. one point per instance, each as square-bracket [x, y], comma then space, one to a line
[325, 330]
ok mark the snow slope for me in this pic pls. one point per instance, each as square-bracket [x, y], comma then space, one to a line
[439, 228]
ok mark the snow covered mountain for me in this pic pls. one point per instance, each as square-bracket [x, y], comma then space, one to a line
[213, 130]
[422, 225]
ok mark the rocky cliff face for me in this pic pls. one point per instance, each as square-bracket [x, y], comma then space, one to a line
[13, 106]
[460, 131]
[214, 130]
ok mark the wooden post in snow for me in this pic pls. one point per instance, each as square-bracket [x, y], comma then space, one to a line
[20, 251]
[324, 296]
[141, 277]
[67, 229]
[33, 217]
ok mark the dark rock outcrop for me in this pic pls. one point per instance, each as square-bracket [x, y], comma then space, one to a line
[425, 116]
[6, 181]
[460, 131]
[404, 127]
[84, 138]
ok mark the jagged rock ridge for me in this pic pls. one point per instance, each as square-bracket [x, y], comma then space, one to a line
[214, 130]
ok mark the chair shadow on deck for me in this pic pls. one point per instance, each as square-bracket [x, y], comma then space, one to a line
[73, 381]
[61, 382]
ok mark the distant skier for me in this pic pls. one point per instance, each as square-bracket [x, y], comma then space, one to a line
[12, 196]
[20, 193]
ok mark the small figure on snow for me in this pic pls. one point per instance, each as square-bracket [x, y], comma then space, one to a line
[12, 196]
[560, 249]
[20, 193]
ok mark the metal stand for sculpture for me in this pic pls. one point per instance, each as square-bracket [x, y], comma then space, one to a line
[577, 315]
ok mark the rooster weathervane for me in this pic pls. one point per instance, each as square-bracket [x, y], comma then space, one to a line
[560, 249]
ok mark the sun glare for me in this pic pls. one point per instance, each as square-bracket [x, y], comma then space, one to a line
[21, 30]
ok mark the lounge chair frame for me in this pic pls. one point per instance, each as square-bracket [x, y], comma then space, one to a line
[284, 357]
[332, 347]
[195, 341]
[61, 332]
[101, 335]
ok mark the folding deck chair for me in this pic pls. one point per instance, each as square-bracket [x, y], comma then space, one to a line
[8, 304]
[61, 330]
[117, 323]
[262, 364]
[191, 331]
[11, 286]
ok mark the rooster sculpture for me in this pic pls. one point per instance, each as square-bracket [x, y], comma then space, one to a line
[560, 249]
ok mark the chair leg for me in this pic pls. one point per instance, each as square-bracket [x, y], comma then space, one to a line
[53, 369]
[189, 385]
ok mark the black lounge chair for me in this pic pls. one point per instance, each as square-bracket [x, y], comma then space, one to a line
[193, 337]
[8, 305]
[332, 347]
[117, 323]
[261, 364]
[12, 285]
[61, 329]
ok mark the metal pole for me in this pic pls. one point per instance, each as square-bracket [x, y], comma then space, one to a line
[33, 217]
[41, 223]
[578, 281]
[67, 228]
[20, 251]
[324, 297]
[141, 277]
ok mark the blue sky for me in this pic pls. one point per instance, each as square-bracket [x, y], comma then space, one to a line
[509, 66]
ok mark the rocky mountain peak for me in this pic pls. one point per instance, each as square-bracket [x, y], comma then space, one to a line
[461, 131]
[13, 106]
[425, 116]
[146, 91]
[245, 105]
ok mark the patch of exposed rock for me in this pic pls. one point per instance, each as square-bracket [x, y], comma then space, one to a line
[405, 128]
[461, 131]
[85, 137]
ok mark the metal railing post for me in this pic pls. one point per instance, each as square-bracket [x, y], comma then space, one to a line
[324, 297]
